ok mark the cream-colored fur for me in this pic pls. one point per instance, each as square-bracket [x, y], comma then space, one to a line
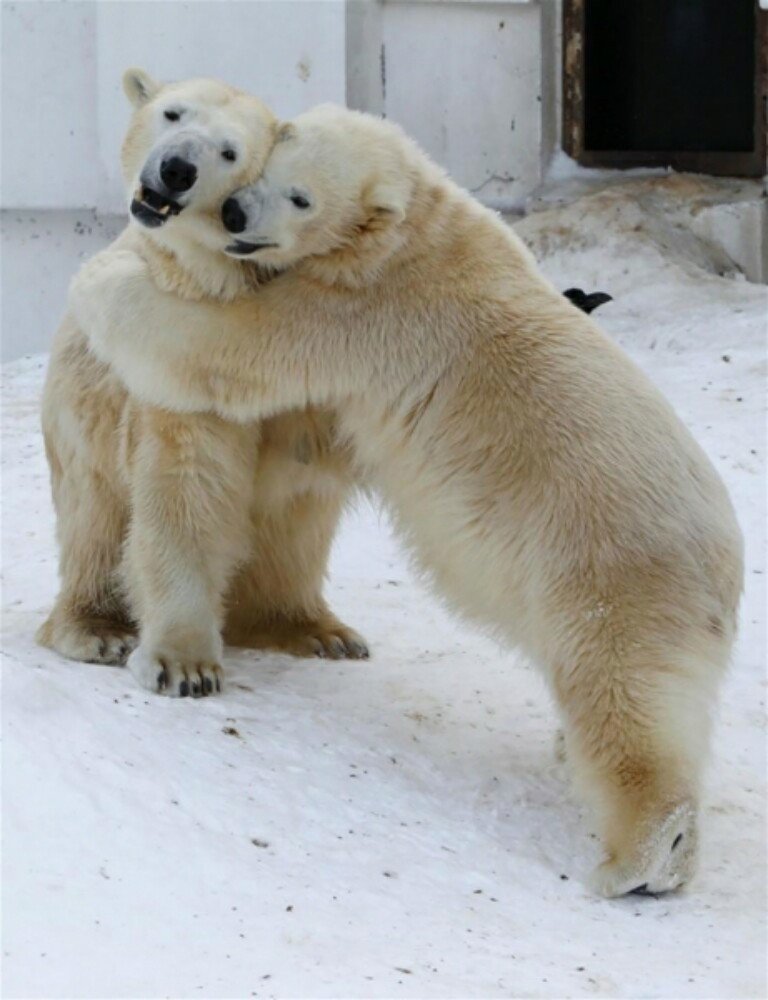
[219, 517]
[546, 487]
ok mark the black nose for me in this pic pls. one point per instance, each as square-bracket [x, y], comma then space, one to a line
[177, 174]
[233, 216]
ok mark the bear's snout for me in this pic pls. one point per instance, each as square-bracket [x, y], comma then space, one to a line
[233, 216]
[177, 174]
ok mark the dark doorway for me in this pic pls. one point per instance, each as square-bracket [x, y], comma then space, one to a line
[666, 82]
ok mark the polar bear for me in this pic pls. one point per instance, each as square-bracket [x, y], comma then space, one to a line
[545, 486]
[187, 144]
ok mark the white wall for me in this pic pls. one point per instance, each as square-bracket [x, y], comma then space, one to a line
[467, 79]
[50, 149]
[40, 253]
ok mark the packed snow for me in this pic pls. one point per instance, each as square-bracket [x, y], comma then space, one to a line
[399, 827]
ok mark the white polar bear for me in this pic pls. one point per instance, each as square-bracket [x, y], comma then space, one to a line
[547, 488]
[130, 520]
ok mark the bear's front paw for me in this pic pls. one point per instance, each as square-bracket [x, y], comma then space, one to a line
[179, 676]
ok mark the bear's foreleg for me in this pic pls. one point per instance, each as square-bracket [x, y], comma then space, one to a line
[191, 491]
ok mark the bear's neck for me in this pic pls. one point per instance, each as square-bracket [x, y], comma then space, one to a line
[193, 271]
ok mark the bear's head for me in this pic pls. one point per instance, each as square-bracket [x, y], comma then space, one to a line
[336, 188]
[187, 146]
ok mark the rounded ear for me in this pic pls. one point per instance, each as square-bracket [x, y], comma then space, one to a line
[388, 198]
[139, 86]
[286, 131]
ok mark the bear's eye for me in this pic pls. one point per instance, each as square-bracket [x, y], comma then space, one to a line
[229, 154]
[173, 116]
[299, 201]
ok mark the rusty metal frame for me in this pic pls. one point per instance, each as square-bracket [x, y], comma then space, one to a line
[733, 164]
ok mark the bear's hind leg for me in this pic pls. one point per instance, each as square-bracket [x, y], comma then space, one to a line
[78, 635]
[276, 600]
[90, 620]
[81, 411]
[637, 736]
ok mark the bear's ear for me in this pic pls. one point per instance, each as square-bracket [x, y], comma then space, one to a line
[388, 199]
[139, 86]
[286, 131]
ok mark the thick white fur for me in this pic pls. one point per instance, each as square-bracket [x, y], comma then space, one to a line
[187, 524]
[545, 486]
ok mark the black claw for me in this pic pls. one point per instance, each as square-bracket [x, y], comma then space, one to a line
[677, 840]
[218, 683]
[640, 890]
[184, 689]
[162, 680]
[208, 685]
[197, 690]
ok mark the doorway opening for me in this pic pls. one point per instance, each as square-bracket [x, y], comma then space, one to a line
[678, 83]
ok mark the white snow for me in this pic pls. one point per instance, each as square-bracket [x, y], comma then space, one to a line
[401, 827]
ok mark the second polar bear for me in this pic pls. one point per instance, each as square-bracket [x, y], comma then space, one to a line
[547, 488]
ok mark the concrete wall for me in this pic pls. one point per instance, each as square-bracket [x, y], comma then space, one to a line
[466, 81]
[40, 253]
[472, 81]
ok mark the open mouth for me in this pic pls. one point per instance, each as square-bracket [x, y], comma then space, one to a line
[153, 209]
[241, 249]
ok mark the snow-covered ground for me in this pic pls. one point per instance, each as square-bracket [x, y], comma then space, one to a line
[395, 828]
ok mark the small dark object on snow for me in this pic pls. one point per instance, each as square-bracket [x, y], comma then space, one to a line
[587, 303]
